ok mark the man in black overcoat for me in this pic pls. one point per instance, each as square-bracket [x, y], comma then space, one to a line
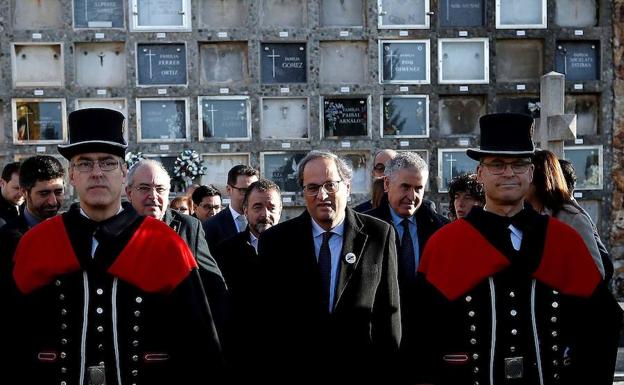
[147, 188]
[330, 290]
[11, 196]
[92, 306]
[231, 220]
[240, 264]
[405, 181]
[510, 296]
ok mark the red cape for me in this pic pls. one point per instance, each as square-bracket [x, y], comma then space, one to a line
[155, 259]
[458, 257]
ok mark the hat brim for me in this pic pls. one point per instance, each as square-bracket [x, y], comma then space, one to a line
[477, 154]
[70, 150]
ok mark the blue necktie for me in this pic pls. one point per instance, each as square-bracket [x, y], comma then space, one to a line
[406, 253]
[324, 261]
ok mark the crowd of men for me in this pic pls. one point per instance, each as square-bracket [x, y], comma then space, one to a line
[130, 291]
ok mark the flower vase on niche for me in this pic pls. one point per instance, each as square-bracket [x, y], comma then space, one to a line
[188, 167]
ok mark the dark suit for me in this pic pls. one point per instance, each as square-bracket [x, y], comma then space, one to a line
[10, 235]
[427, 223]
[357, 343]
[191, 231]
[8, 211]
[219, 228]
[239, 263]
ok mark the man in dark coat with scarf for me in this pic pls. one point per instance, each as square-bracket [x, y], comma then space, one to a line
[93, 307]
[510, 296]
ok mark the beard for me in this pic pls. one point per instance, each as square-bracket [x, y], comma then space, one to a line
[262, 226]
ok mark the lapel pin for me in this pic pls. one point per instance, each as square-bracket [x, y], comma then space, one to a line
[350, 258]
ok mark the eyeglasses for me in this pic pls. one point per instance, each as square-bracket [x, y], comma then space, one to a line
[330, 187]
[243, 190]
[88, 165]
[497, 168]
[210, 207]
[380, 167]
[147, 189]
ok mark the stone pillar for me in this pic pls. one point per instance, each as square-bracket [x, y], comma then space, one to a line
[617, 213]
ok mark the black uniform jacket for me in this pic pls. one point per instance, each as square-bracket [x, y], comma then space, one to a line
[135, 311]
[219, 228]
[493, 315]
[358, 341]
[8, 211]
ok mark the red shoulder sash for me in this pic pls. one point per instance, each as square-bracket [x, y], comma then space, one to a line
[155, 259]
[457, 258]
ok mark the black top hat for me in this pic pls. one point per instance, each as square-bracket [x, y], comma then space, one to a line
[504, 134]
[95, 130]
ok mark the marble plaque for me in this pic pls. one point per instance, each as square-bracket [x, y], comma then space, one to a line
[518, 104]
[405, 61]
[284, 118]
[587, 162]
[461, 13]
[576, 13]
[161, 64]
[281, 168]
[100, 64]
[215, 14]
[578, 60]
[360, 182]
[519, 60]
[452, 163]
[344, 62]
[38, 120]
[403, 14]
[459, 115]
[521, 14]
[98, 14]
[224, 117]
[463, 61]
[344, 13]
[283, 63]
[345, 116]
[405, 116]
[164, 14]
[162, 120]
[283, 13]
[217, 167]
[223, 63]
[38, 65]
[37, 14]
[587, 110]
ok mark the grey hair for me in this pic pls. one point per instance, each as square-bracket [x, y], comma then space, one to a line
[146, 162]
[405, 160]
[344, 170]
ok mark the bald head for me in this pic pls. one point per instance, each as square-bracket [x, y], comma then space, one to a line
[379, 161]
[148, 188]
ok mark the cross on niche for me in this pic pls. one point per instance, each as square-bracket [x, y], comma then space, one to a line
[101, 56]
[450, 161]
[391, 55]
[212, 111]
[273, 56]
[149, 55]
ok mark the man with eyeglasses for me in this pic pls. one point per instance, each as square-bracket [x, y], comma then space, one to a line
[207, 202]
[232, 220]
[148, 185]
[330, 294]
[106, 296]
[380, 159]
[510, 296]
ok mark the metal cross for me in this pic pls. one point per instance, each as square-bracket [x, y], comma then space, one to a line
[450, 160]
[28, 112]
[212, 111]
[273, 56]
[391, 55]
[149, 56]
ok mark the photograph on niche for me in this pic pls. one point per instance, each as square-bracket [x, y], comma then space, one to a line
[41, 121]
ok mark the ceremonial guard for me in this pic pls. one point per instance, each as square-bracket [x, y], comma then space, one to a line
[107, 296]
[510, 296]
